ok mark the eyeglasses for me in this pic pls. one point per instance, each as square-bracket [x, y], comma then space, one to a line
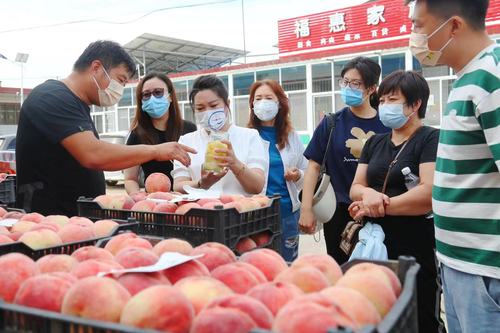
[352, 84]
[158, 92]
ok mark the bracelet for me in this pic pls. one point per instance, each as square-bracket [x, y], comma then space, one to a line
[241, 171]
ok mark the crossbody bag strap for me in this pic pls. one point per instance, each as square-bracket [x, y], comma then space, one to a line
[395, 160]
[331, 120]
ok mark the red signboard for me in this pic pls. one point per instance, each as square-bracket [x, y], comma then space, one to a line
[374, 25]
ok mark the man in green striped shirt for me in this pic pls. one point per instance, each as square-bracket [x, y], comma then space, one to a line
[466, 193]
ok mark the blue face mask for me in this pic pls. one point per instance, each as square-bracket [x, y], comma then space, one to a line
[352, 97]
[392, 115]
[156, 107]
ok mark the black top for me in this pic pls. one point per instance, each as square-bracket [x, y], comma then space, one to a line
[403, 234]
[49, 179]
[164, 167]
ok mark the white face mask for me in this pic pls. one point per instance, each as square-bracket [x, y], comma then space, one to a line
[265, 109]
[112, 94]
[211, 120]
[419, 46]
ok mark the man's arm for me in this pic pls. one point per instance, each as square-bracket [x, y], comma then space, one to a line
[99, 155]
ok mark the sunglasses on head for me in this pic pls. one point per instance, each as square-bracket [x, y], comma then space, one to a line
[158, 92]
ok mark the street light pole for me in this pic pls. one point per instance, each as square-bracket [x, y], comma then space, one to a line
[22, 58]
[243, 23]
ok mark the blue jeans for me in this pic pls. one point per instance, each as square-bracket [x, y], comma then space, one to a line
[290, 236]
[472, 302]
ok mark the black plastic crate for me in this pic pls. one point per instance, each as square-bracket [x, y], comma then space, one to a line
[67, 248]
[21, 319]
[403, 317]
[198, 226]
[8, 190]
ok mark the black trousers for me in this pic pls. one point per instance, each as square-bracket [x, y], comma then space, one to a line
[333, 230]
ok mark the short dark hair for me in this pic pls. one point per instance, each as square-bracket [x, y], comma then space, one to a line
[210, 82]
[109, 53]
[369, 71]
[472, 11]
[412, 86]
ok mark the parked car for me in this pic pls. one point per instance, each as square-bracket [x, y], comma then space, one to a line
[8, 142]
[8, 153]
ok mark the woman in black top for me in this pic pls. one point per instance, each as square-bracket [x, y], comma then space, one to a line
[402, 213]
[158, 119]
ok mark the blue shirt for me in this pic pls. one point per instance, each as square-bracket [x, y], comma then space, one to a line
[349, 137]
[276, 183]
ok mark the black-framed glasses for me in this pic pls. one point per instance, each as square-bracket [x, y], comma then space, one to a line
[355, 84]
[157, 92]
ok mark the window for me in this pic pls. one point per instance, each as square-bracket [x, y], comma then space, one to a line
[322, 106]
[298, 110]
[337, 70]
[131, 116]
[321, 77]
[392, 63]
[123, 119]
[126, 99]
[12, 144]
[98, 123]
[225, 80]
[241, 111]
[188, 112]
[293, 78]
[181, 90]
[271, 74]
[430, 71]
[110, 121]
[433, 114]
[242, 83]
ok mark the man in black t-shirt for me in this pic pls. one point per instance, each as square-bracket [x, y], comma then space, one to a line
[59, 156]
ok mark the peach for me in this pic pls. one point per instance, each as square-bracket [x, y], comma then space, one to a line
[15, 268]
[248, 205]
[262, 238]
[166, 207]
[138, 196]
[326, 264]
[92, 252]
[245, 244]
[132, 257]
[201, 290]
[64, 275]
[56, 263]
[371, 268]
[223, 320]
[230, 198]
[128, 239]
[104, 228]
[214, 254]
[238, 278]
[378, 291]
[189, 268]
[161, 196]
[136, 282]
[307, 278]
[252, 269]
[236, 205]
[121, 201]
[33, 217]
[98, 298]
[213, 205]
[4, 230]
[44, 292]
[202, 202]
[82, 221]
[105, 201]
[22, 226]
[144, 206]
[14, 215]
[262, 200]
[15, 235]
[313, 313]
[274, 295]
[41, 239]
[183, 209]
[92, 266]
[2, 212]
[172, 245]
[267, 261]
[161, 308]
[5, 240]
[254, 308]
[354, 303]
[46, 225]
[61, 220]
[157, 182]
[73, 232]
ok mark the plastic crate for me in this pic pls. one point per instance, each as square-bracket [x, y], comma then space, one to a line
[403, 317]
[198, 226]
[67, 248]
[8, 190]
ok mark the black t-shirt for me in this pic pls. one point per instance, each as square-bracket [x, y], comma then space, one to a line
[164, 167]
[49, 179]
[403, 234]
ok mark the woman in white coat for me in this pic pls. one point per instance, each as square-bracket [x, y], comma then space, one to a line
[270, 115]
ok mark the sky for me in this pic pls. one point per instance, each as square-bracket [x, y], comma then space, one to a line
[33, 27]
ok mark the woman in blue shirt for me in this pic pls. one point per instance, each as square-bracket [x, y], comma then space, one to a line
[270, 115]
[354, 124]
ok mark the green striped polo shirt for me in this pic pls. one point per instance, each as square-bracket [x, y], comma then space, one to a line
[466, 193]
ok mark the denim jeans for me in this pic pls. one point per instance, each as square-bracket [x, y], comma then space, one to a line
[472, 302]
[290, 236]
